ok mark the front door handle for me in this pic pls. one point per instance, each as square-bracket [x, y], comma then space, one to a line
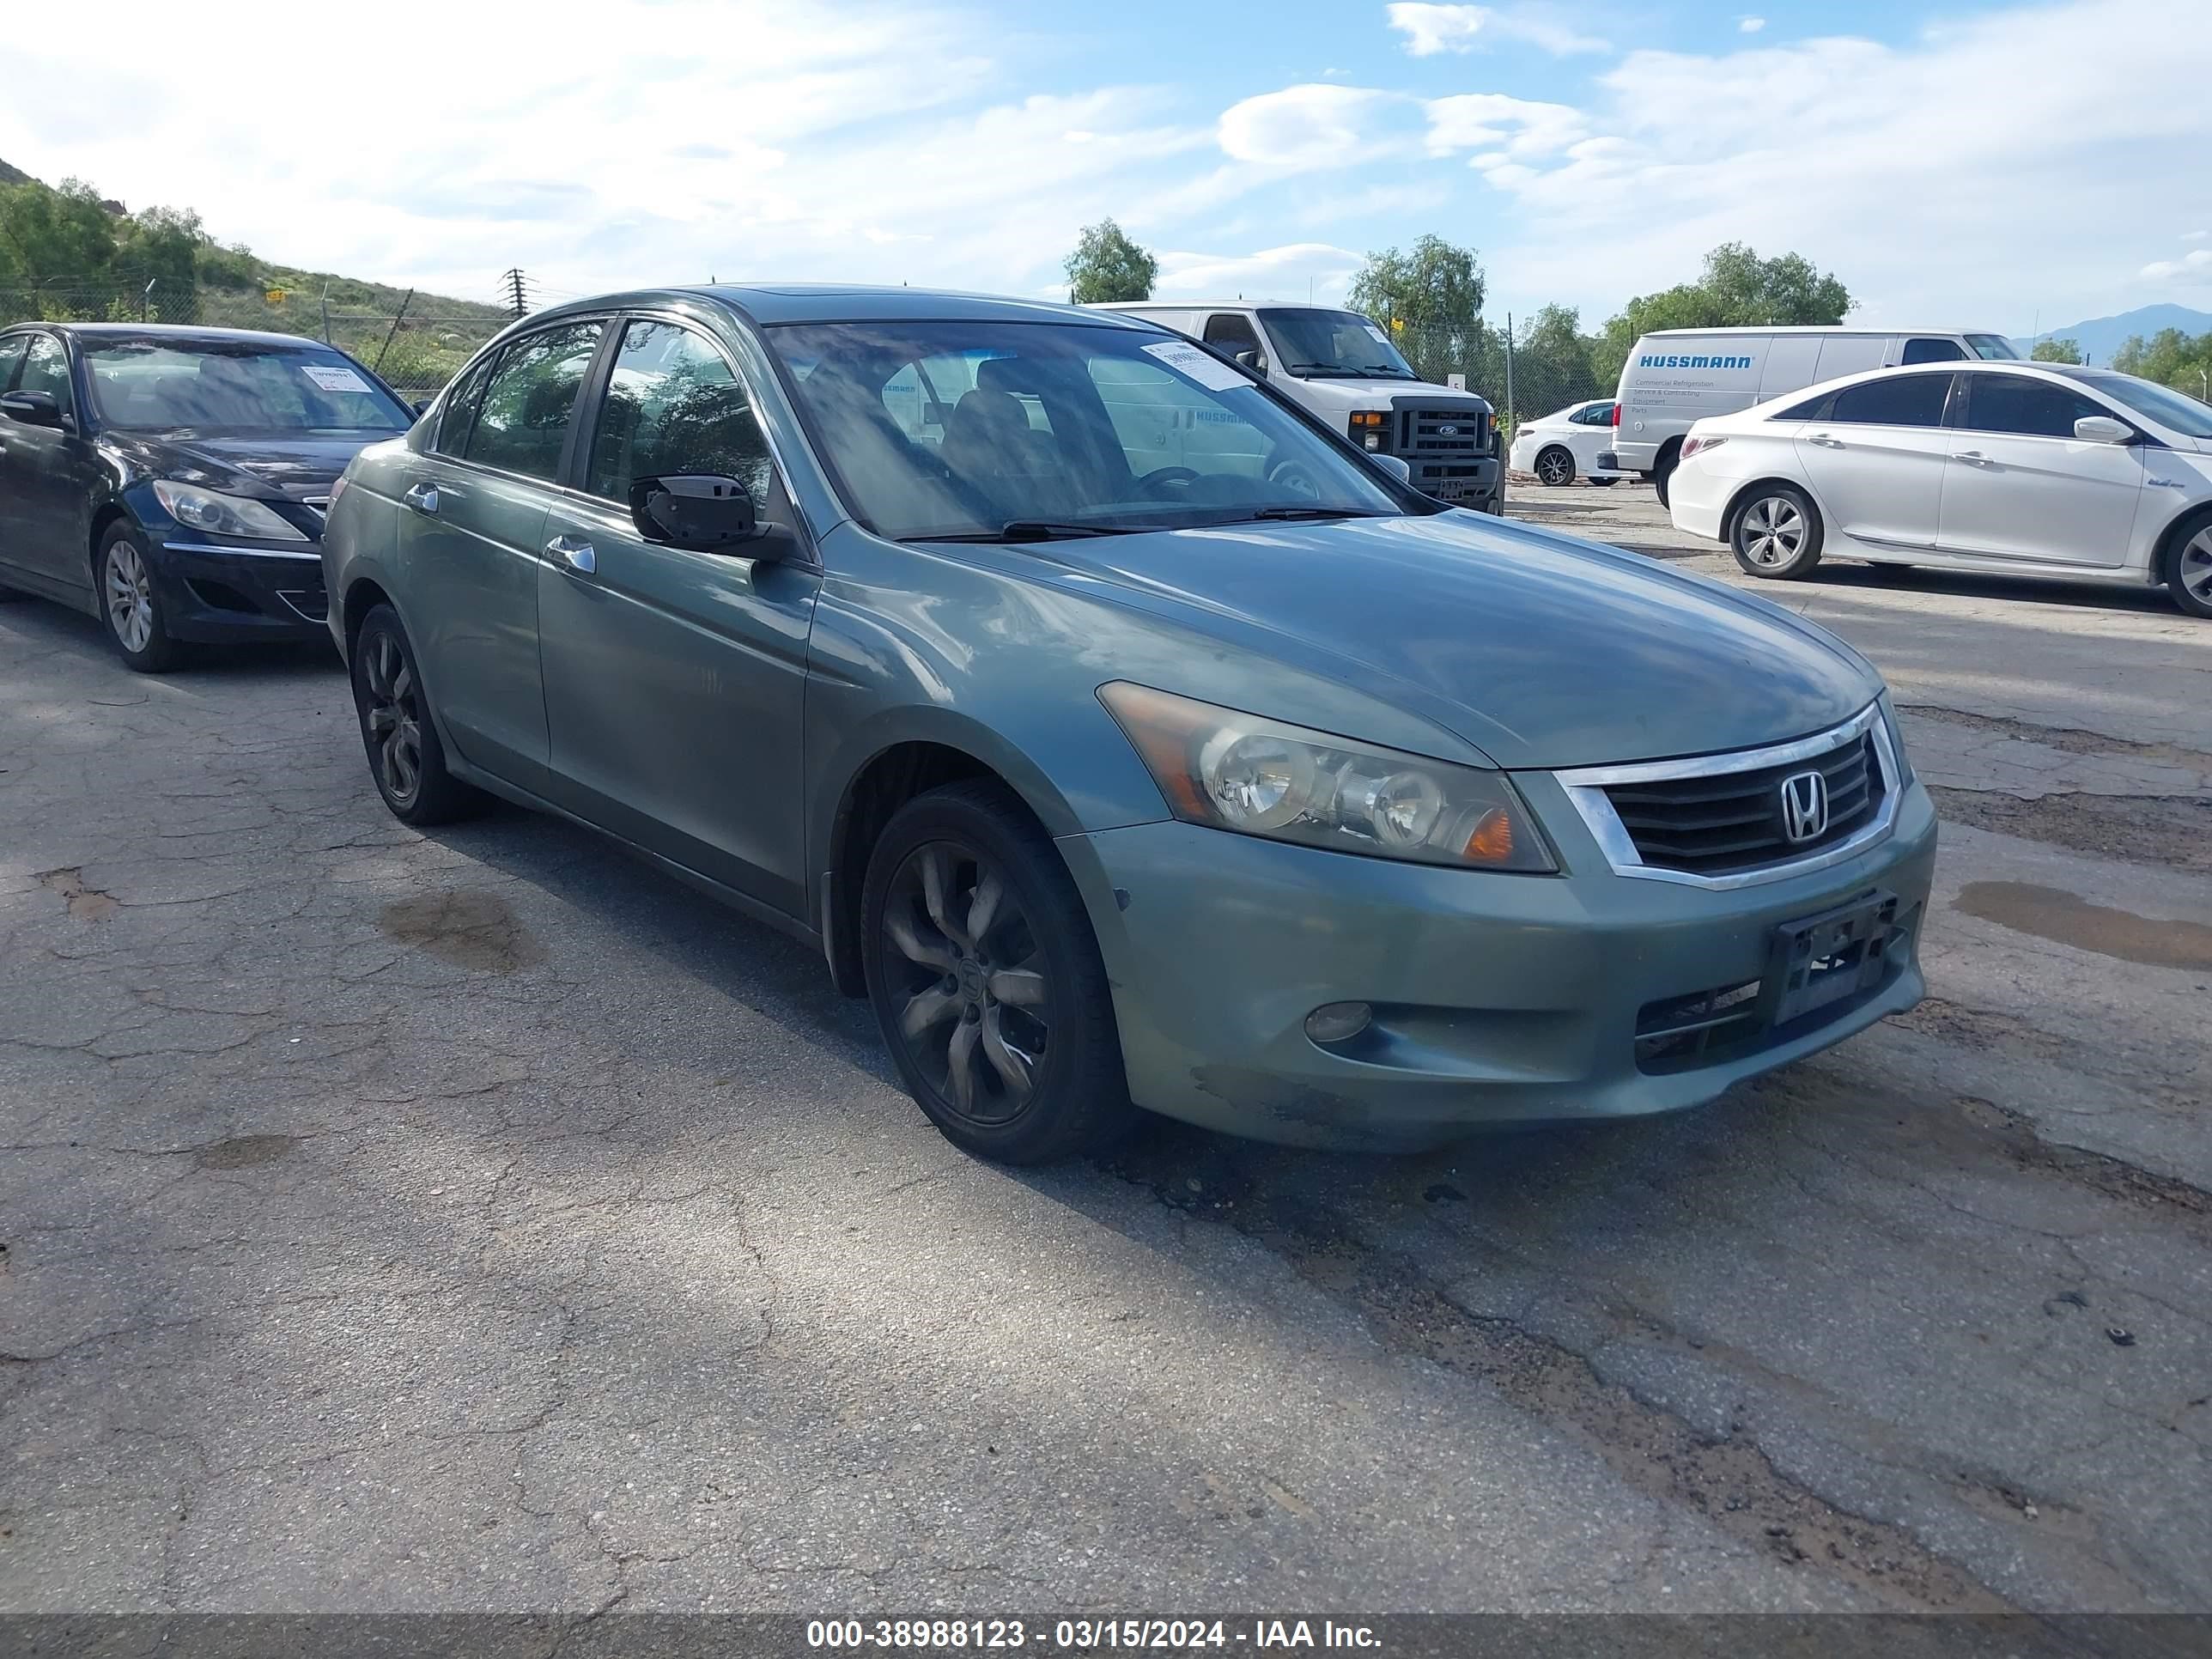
[1973, 458]
[1825, 440]
[576, 553]
[423, 497]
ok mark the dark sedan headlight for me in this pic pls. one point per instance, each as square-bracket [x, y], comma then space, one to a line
[1234, 771]
[218, 514]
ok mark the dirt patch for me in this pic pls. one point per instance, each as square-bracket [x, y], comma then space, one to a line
[1992, 1127]
[85, 903]
[243, 1151]
[2067, 739]
[2053, 913]
[2174, 831]
[468, 928]
[1978, 1027]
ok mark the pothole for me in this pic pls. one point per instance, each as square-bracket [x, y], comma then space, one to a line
[85, 903]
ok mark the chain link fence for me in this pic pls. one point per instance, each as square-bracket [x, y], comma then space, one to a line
[1520, 383]
[414, 348]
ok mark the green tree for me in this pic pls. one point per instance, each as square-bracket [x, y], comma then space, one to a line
[1736, 289]
[2057, 352]
[1553, 362]
[1430, 300]
[1107, 266]
[54, 238]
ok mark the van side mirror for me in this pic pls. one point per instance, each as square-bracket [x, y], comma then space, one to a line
[702, 513]
[32, 408]
[2103, 429]
[1254, 359]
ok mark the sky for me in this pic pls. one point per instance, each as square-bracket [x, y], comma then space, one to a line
[1980, 166]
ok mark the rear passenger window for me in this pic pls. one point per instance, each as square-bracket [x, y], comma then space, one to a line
[1932, 351]
[1906, 400]
[523, 423]
[673, 407]
[459, 412]
[1813, 408]
[2032, 409]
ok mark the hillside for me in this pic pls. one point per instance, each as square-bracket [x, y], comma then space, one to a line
[68, 253]
[2101, 337]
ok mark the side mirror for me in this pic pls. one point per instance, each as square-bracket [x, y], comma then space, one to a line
[699, 512]
[32, 408]
[1254, 359]
[1395, 466]
[422, 405]
[2103, 429]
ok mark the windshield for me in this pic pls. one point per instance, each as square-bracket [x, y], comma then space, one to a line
[2177, 411]
[237, 385]
[1321, 345]
[936, 430]
[1993, 347]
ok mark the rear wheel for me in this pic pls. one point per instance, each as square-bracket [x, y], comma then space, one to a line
[1776, 533]
[986, 982]
[2189, 567]
[1602, 483]
[1555, 468]
[131, 605]
[404, 756]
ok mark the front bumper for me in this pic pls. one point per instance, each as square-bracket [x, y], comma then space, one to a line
[1463, 480]
[1498, 999]
[218, 593]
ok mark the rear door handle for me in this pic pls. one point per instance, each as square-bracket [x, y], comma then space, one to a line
[423, 497]
[1825, 440]
[576, 553]
[1973, 458]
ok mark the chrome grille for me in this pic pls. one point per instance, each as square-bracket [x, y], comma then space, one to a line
[1421, 432]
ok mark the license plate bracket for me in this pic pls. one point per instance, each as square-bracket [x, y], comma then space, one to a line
[1829, 958]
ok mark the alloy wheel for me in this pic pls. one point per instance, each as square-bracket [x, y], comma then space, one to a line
[1773, 531]
[392, 714]
[975, 1008]
[2194, 570]
[130, 595]
[1554, 468]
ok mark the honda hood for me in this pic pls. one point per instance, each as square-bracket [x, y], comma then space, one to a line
[1541, 650]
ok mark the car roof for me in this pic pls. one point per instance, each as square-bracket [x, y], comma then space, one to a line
[1799, 328]
[180, 332]
[769, 304]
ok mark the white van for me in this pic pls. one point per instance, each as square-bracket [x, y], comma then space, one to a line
[1678, 375]
[1338, 365]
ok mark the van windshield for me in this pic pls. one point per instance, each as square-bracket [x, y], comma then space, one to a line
[1993, 347]
[1333, 345]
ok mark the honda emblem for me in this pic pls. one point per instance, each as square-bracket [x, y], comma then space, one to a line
[1804, 806]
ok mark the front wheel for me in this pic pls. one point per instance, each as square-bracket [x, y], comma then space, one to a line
[1776, 533]
[131, 605]
[1555, 468]
[2189, 568]
[986, 982]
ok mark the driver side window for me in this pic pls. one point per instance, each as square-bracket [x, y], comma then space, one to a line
[673, 407]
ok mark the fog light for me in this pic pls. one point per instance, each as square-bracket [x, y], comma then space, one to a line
[1338, 1021]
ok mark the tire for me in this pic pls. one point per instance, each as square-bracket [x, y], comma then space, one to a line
[2189, 567]
[1005, 1039]
[1664, 472]
[1776, 532]
[131, 604]
[405, 757]
[1600, 484]
[1554, 468]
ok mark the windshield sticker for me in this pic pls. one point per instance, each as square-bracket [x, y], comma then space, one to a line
[334, 378]
[1202, 367]
[1379, 334]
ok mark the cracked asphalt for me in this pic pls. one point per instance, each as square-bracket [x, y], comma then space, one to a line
[481, 1221]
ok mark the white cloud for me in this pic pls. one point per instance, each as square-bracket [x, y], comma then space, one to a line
[1314, 125]
[1430, 29]
[1750, 25]
[2195, 266]
[1296, 271]
[2197, 236]
[1502, 128]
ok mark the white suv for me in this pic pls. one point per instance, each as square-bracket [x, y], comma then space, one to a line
[1675, 376]
[1339, 365]
[2022, 469]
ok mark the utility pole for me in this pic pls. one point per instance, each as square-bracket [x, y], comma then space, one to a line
[377, 367]
[146, 294]
[516, 301]
[326, 312]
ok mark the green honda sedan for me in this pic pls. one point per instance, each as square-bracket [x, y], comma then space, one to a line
[1125, 736]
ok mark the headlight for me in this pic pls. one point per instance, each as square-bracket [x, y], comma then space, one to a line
[1232, 771]
[1896, 741]
[222, 516]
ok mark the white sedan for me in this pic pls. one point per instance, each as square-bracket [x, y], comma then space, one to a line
[1560, 446]
[2022, 469]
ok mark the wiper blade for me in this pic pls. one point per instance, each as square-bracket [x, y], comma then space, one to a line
[1307, 513]
[1033, 529]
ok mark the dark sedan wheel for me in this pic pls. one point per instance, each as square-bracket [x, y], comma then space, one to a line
[404, 756]
[1555, 468]
[131, 604]
[986, 982]
[1776, 533]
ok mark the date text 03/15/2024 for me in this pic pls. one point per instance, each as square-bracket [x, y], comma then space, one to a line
[1087, 1634]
